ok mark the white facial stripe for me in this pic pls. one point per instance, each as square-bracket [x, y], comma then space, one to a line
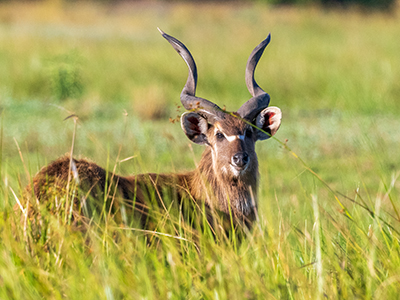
[230, 138]
[214, 158]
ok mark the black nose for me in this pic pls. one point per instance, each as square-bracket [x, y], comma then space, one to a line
[240, 159]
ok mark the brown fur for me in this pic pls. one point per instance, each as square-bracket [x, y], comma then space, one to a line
[207, 187]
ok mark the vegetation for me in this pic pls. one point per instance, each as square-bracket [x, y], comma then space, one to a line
[384, 5]
[329, 194]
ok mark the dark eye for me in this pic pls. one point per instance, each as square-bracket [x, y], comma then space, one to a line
[219, 136]
[249, 133]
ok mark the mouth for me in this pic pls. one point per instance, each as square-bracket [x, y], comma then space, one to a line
[237, 171]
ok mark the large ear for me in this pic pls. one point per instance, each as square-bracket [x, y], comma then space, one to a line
[195, 127]
[268, 120]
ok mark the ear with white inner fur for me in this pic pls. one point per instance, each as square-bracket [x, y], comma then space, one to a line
[195, 127]
[268, 120]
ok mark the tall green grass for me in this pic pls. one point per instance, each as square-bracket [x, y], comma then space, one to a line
[329, 190]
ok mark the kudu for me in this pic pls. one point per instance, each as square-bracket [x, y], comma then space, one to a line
[225, 180]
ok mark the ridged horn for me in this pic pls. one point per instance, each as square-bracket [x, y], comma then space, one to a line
[260, 99]
[189, 100]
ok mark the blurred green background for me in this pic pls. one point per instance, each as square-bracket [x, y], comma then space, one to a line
[333, 67]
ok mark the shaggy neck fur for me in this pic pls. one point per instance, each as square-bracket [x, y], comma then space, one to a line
[221, 189]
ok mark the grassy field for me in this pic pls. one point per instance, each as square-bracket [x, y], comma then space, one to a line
[329, 202]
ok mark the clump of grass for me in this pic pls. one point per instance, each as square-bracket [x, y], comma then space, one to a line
[340, 258]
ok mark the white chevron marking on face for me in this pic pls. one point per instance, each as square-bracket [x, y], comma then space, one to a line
[230, 138]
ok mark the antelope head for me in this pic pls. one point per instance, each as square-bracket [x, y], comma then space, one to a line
[231, 136]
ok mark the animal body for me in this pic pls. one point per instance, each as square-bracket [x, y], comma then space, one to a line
[224, 183]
